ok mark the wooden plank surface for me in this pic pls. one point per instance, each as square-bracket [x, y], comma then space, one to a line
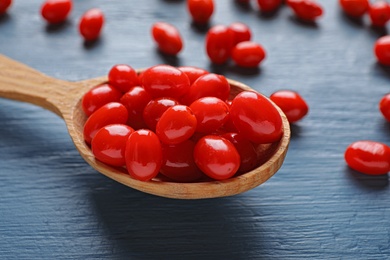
[54, 206]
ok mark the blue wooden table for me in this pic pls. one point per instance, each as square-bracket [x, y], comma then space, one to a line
[55, 206]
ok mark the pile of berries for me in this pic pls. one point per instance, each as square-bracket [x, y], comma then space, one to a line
[145, 110]
[180, 122]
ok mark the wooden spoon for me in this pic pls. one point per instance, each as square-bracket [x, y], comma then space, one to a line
[22, 83]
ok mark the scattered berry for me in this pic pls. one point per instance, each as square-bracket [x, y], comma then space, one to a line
[200, 10]
[248, 54]
[379, 13]
[354, 8]
[219, 43]
[384, 106]
[91, 24]
[382, 50]
[307, 10]
[368, 157]
[167, 37]
[291, 103]
[56, 11]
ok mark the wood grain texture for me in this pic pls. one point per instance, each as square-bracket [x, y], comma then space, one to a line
[54, 206]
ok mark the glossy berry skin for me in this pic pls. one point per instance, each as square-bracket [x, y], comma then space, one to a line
[229, 126]
[91, 24]
[4, 5]
[256, 118]
[176, 125]
[143, 155]
[269, 5]
[379, 13]
[200, 10]
[178, 162]
[135, 100]
[111, 113]
[246, 150]
[241, 32]
[248, 54]
[291, 103]
[56, 11]
[382, 50]
[211, 113]
[193, 73]
[109, 144]
[307, 10]
[154, 110]
[216, 157]
[368, 157]
[219, 43]
[354, 8]
[165, 81]
[209, 85]
[99, 96]
[384, 106]
[167, 37]
[123, 77]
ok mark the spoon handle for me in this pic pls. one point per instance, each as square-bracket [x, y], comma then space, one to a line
[22, 83]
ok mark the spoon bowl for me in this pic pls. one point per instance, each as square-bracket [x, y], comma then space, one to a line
[22, 83]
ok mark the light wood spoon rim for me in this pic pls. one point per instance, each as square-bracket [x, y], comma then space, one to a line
[22, 83]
